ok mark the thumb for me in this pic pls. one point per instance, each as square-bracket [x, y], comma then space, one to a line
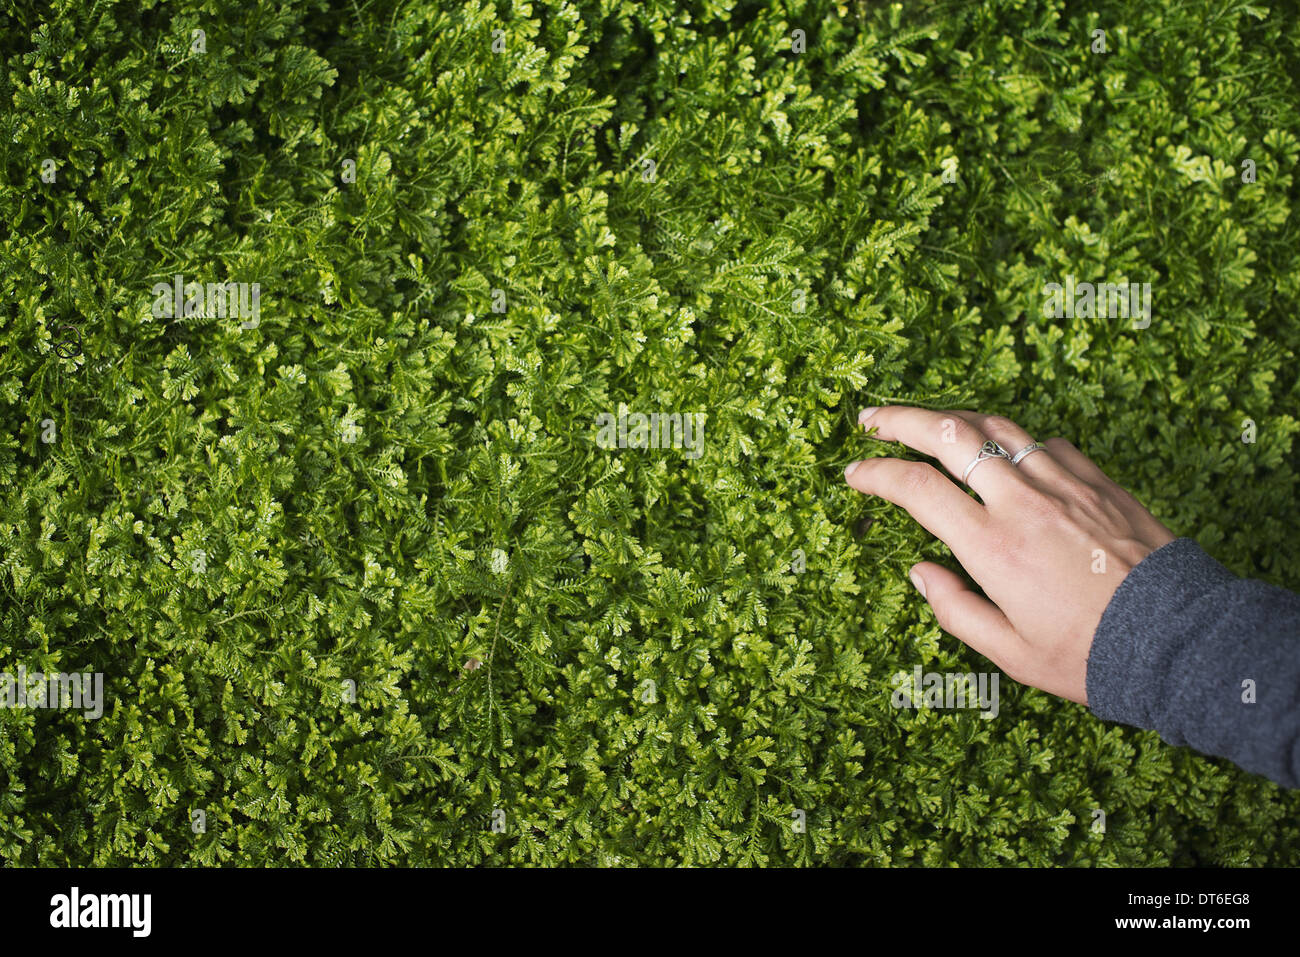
[965, 615]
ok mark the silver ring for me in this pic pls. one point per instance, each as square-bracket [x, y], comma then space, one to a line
[1027, 450]
[989, 450]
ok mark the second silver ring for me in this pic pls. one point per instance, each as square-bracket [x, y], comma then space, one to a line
[1027, 450]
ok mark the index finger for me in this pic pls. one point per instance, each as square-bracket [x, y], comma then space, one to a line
[944, 510]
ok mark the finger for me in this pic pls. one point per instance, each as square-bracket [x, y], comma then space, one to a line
[942, 508]
[1078, 463]
[1037, 465]
[950, 439]
[973, 619]
[1153, 530]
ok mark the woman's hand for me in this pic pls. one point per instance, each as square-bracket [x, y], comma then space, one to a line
[1051, 543]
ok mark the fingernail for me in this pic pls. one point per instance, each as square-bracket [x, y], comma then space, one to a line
[848, 469]
[917, 580]
[867, 413]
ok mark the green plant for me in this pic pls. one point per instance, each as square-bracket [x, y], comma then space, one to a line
[360, 581]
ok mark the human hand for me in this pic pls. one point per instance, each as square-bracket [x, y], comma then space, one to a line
[1050, 545]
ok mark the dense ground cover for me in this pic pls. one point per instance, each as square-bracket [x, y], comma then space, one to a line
[362, 583]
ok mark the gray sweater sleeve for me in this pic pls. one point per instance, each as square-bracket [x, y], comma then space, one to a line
[1181, 646]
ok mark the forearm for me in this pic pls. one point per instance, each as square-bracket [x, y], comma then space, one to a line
[1205, 658]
